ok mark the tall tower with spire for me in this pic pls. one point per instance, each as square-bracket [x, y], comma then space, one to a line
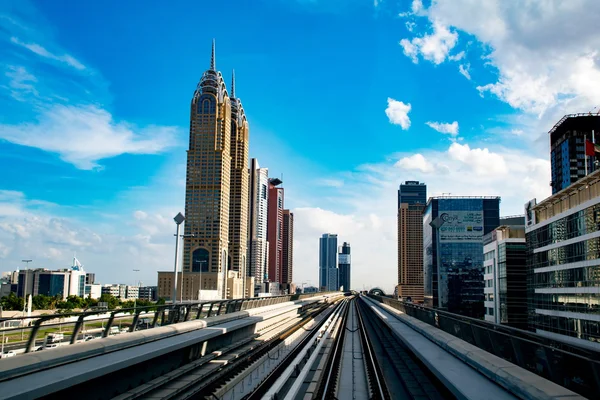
[206, 252]
[238, 203]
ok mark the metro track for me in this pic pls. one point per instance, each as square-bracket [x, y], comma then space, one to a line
[211, 372]
[356, 356]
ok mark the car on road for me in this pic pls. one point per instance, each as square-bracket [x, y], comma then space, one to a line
[8, 354]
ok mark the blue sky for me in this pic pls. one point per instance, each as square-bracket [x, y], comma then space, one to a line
[346, 99]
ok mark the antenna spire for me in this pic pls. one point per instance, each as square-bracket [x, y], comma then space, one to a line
[212, 57]
[233, 83]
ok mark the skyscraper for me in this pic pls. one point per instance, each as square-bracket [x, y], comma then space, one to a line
[208, 194]
[328, 271]
[412, 192]
[344, 266]
[453, 229]
[567, 148]
[238, 200]
[258, 249]
[412, 197]
[275, 230]
[287, 267]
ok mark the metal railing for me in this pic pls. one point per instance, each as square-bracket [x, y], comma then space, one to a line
[576, 368]
[161, 315]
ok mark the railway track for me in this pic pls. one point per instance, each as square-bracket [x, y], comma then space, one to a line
[207, 375]
[355, 357]
[336, 351]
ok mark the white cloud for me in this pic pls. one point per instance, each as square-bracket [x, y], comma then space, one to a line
[84, 135]
[546, 65]
[457, 57]
[410, 26]
[397, 112]
[434, 47]
[449, 128]
[330, 182]
[21, 82]
[464, 70]
[481, 161]
[415, 162]
[41, 51]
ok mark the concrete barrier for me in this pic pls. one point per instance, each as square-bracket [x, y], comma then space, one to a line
[516, 380]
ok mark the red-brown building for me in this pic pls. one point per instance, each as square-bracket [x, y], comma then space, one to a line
[275, 230]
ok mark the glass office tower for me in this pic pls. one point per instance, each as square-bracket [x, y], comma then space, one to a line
[453, 229]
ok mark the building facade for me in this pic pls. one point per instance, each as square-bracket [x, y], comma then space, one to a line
[275, 230]
[287, 267]
[63, 283]
[412, 192]
[505, 275]
[453, 229]
[567, 149]
[344, 266]
[208, 182]
[258, 247]
[148, 293]
[563, 263]
[328, 271]
[412, 197]
[239, 190]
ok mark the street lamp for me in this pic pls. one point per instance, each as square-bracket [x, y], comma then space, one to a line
[179, 218]
[138, 286]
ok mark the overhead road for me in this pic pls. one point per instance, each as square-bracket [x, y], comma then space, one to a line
[106, 368]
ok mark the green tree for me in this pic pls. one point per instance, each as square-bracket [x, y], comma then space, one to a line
[128, 304]
[161, 301]
[12, 302]
[112, 301]
[65, 305]
[88, 302]
[41, 302]
[75, 301]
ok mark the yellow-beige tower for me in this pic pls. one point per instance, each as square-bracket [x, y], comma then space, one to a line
[238, 203]
[208, 182]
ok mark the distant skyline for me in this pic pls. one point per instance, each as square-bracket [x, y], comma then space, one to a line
[346, 98]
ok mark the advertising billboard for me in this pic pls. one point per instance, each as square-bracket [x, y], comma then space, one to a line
[461, 226]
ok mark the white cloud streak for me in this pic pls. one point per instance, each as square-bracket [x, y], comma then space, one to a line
[42, 52]
[447, 128]
[84, 135]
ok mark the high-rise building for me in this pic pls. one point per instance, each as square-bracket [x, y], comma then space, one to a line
[287, 267]
[275, 230]
[412, 192]
[208, 185]
[258, 248]
[567, 148]
[412, 197]
[238, 203]
[328, 271]
[563, 263]
[344, 262]
[453, 229]
[505, 275]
